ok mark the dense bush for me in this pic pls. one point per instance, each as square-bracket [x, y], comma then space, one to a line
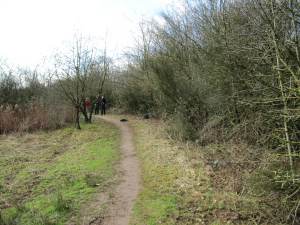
[28, 103]
[220, 70]
[33, 117]
[201, 62]
[136, 96]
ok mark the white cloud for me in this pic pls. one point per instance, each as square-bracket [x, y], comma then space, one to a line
[32, 29]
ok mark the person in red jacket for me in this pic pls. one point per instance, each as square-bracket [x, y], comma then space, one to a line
[88, 104]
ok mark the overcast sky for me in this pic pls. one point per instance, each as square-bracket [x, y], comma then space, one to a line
[31, 30]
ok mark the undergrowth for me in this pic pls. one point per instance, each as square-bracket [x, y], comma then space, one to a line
[34, 117]
[215, 184]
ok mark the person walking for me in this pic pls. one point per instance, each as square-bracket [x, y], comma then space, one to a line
[103, 105]
[88, 105]
[98, 104]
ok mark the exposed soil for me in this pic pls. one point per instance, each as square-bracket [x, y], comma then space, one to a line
[120, 206]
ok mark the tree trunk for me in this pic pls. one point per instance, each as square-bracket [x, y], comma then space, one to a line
[77, 122]
[91, 114]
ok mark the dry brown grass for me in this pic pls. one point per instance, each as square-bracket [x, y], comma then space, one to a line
[33, 117]
[189, 184]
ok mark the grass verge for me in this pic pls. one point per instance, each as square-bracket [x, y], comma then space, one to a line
[187, 184]
[46, 177]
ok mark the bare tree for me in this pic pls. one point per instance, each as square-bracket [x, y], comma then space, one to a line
[77, 73]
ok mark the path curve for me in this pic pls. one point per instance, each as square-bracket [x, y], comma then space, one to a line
[120, 208]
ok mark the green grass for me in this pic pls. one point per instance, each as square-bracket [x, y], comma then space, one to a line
[168, 179]
[180, 187]
[46, 177]
[156, 202]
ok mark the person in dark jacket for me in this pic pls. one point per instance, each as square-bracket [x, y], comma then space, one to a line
[103, 105]
[97, 104]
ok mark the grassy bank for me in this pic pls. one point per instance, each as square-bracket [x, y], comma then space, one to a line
[187, 184]
[46, 177]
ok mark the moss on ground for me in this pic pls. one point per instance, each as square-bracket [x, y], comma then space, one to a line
[45, 177]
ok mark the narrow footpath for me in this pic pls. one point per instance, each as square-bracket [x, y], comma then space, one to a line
[120, 208]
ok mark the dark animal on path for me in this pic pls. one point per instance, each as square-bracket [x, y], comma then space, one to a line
[123, 120]
[146, 116]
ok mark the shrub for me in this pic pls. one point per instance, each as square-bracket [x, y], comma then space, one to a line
[33, 117]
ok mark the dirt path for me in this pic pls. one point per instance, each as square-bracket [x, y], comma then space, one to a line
[119, 209]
